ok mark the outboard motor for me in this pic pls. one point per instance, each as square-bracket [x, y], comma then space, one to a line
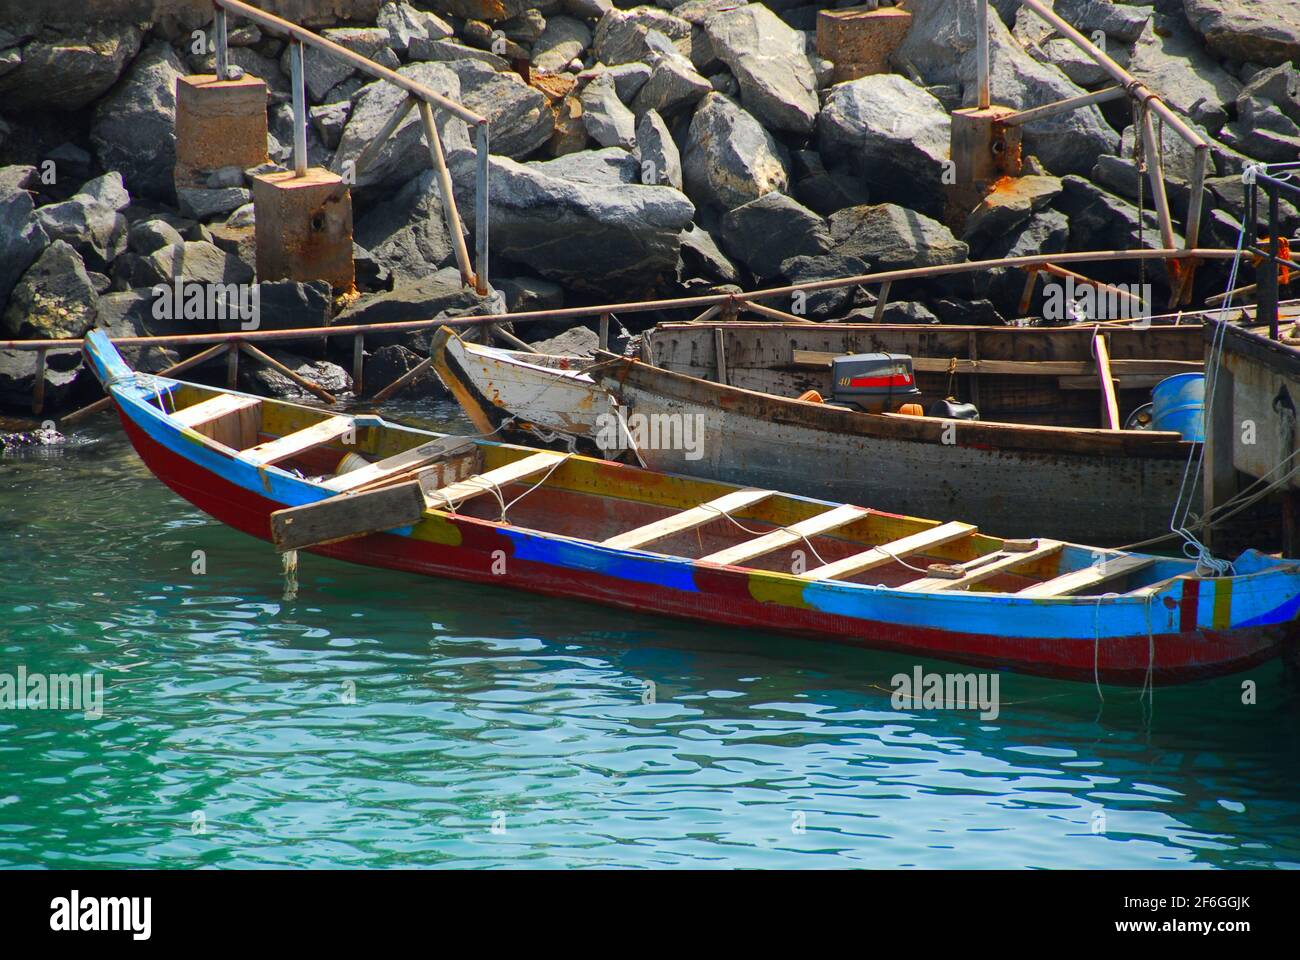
[874, 382]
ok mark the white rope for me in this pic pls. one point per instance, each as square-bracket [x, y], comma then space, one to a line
[1096, 642]
[759, 533]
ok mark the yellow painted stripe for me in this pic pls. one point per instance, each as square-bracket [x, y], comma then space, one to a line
[1222, 603]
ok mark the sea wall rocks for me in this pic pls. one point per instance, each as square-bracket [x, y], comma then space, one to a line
[638, 150]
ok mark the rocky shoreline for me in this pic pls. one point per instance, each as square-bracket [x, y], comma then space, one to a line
[638, 151]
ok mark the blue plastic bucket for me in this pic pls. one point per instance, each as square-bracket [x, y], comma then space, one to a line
[1178, 403]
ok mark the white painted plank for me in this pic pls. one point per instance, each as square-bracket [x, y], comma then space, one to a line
[687, 519]
[775, 540]
[1078, 581]
[291, 444]
[886, 552]
[480, 483]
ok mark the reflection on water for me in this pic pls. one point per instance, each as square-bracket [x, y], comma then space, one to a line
[386, 720]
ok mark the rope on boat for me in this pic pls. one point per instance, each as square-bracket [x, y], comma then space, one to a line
[494, 488]
[759, 533]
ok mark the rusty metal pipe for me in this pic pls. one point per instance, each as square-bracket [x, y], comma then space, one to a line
[1064, 106]
[982, 52]
[448, 197]
[297, 69]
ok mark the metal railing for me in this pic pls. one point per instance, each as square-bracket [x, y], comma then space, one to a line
[417, 95]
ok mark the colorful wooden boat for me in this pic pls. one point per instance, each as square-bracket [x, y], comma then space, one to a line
[1012, 472]
[361, 489]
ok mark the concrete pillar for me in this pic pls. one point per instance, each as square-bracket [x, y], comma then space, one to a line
[219, 123]
[861, 40]
[304, 227]
[982, 146]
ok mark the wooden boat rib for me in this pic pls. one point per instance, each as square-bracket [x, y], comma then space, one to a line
[875, 579]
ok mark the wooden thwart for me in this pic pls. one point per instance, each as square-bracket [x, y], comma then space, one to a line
[1078, 581]
[291, 444]
[214, 408]
[687, 519]
[405, 462]
[347, 515]
[886, 552]
[776, 539]
[982, 568]
[480, 483]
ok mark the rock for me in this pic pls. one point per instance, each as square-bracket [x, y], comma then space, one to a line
[250, 63]
[889, 237]
[525, 29]
[1116, 20]
[405, 153]
[203, 204]
[822, 190]
[973, 313]
[267, 381]
[608, 122]
[437, 296]
[1043, 233]
[531, 293]
[628, 78]
[289, 305]
[96, 231]
[610, 166]
[941, 46]
[821, 304]
[1256, 32]
[660, 161]
[906, 311]
[391, 362]
[1010, 203]
[777, 84]
[19, 176]
[520, 117]
[321, 70]
[64, 72]
[54, 300]
[146, 236]
[1103, 221]
[107, 190]
[673, 84]
[1279, 85]
[729, 158]
[329, 120]
[203, 262]
[621, 34]
[764, 233]
[1119, 175]
[563, 39]
[606, 239]
[22, 238]
[132, 128]
[1076, 64]
[403, 23]
[701, 256]
[575, 342]
[407, 233]
[71, 165]
[1170, 61]
[1179, 157]
[130, 313]
[449, 52]
[893, 133]
[18, 376]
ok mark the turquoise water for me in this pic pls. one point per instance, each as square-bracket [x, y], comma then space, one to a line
[492, 728]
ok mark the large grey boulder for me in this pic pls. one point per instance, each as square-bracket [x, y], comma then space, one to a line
[673, 83]
[98, 232]
[54, 300]
[1043, 233]
[729, 158]
[764, 233]
[22, 238]
[888, 237]
[322, 71]
[407, 234]
[621, 35]
[1171, 61]
[564, 40]
[108, 190]
[1009, 204]
[440, 295]
[768, 59]
[404, 22]
[610, 239]
[661, 163]
[1278, 85]
[519, 116]
[268, 381]
[606, 119]
[405, 153]
[199, 261]
[1099, 220]
[822, 304]
[895, 134]
[1118, 21]
[63, 369]
[130, 313]
[68, 72]
[702, 257]
[941, 46]
[1253, 31]
[132, 128]
[610, 166]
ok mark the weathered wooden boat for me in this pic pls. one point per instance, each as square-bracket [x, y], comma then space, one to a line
[362, 489]
[1041, 466]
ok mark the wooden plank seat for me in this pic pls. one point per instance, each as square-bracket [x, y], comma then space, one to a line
[984, 567]
[401, 464]
[214, 408]
[524, 469]
[1079, 581]
[687, 519]
[886, 553]
[292, 444]
[776, 539]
